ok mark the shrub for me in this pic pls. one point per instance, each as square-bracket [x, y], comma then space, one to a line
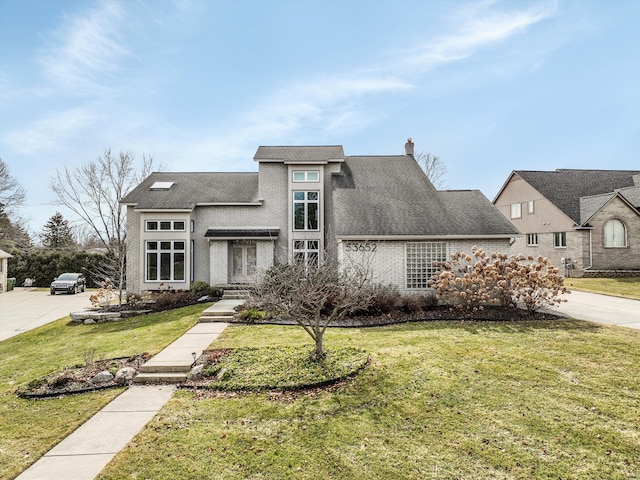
[417, 303]
[384, 299]
[471, 282]
[201, 289]
[251, 315]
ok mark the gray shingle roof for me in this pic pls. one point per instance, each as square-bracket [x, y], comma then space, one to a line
[564, 188]
[194, 188]
[300, 154]
[590, 205]
[391, 196]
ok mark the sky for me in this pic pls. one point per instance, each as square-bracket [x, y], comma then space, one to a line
[488, 86]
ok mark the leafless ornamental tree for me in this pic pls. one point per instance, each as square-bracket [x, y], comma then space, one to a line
[433, 167]
[314, 296]
[93, 192]
[12, 194]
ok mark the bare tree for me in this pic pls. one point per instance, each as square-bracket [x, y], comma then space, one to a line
[12, 194]
[93, 192]
[314, 296]
[433, 167]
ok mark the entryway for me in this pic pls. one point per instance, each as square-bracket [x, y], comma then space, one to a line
[243, 259]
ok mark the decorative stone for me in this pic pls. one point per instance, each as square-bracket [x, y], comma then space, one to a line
[88, 321]
[125, 375]
[103, 377]
[195, 373]
[95, 316]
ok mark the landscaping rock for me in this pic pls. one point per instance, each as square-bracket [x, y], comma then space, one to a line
[195, 373]
[102, 377]
[88, 321]
[125, 375]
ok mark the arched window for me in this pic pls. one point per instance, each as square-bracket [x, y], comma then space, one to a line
[615, 233]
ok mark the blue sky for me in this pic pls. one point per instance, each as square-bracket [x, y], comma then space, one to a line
[488, 86]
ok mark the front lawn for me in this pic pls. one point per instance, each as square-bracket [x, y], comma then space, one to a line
[619, 287]
[444, 400]
[30, 428]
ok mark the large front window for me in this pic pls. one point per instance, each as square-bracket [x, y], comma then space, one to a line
[165, 261]
[306, 210]
[421, 261]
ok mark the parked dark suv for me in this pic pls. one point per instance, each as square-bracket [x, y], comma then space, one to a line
[69, 283]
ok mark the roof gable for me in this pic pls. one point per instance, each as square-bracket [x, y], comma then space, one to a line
[564, 187]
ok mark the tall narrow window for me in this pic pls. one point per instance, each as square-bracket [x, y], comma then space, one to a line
[516, 210]
[615, 233]
[532, 239]
[421, 259]
[306, 251]
[165, 261]
[531, 207]
[306, 209]
[560, 239]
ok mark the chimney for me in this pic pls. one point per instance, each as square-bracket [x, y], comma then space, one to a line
[408, 147]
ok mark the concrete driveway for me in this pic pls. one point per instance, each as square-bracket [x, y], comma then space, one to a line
[23, 309]
[602, 309]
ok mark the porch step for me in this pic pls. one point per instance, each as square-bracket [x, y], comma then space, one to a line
[214, 318]
[160, 377]
[235, 295]
[176, 367]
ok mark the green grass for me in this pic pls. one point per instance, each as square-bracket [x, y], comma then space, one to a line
[30, 428]
[284, 368]
[442, 400]
[619, 287]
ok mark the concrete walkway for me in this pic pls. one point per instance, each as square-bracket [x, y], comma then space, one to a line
[84, 453]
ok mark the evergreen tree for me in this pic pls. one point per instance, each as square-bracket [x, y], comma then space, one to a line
[57, 233]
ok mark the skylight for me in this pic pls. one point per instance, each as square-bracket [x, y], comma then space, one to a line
[162, 185]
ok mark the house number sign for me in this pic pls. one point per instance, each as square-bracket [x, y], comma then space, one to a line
[361, 247]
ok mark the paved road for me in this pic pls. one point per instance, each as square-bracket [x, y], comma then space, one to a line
[23, 309]
[602, 309]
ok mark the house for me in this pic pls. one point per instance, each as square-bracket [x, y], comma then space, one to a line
[4, 260]
[585, 221]
[226, 228]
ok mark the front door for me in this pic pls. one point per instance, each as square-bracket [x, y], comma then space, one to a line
[243, 267]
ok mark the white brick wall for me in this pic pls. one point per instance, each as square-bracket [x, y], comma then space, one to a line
[387, 259]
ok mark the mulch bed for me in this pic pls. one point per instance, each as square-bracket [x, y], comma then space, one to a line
[77, 379]
[493, 314]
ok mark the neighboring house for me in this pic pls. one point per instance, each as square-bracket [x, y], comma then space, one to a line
[4, 260]
[225, 228]
[587, 222]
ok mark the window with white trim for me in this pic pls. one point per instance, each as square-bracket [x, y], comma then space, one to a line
[306, 252]
[532, 239]
[615, 233]
[164, 261]
[531, 207]
[560, 239]
[165, 225]
[516, 210]
[421, 259]
[306, 210]
[306, 176]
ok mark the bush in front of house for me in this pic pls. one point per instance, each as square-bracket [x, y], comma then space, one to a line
[473, 282]
[201, 289]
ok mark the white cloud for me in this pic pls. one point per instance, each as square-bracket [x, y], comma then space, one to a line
[48, 133]
[87, 49]
[476, 28]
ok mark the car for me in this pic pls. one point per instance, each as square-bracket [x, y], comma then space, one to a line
[68, 283]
